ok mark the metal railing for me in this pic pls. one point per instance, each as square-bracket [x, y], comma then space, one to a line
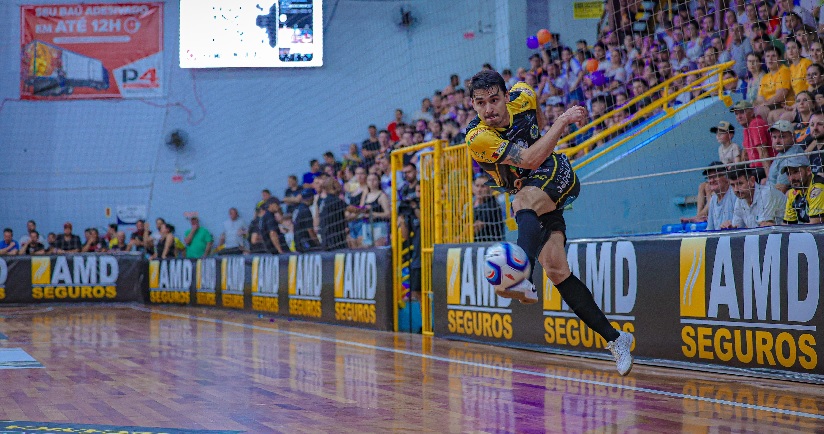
[664, 104]
[446, 214]
[401, 249]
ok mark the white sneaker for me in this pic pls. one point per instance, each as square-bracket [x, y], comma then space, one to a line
[620, 352]
[523, 291]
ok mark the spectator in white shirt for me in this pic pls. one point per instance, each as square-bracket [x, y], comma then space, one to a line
[615, 70]
[728, 152]
[30, 226]
[679, 59]
[234, 234]
[722, 201]
[757, 205]
[424, 113]
[783, 142]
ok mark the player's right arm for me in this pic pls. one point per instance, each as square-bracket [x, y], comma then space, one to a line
[533, 156]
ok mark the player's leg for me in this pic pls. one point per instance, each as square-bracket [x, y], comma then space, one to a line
[574, 292]
[538, 196]
[530, 203]
[563, 188]
[579, 298]
[542, 192]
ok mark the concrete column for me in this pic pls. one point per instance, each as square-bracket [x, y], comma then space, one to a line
[510, 34]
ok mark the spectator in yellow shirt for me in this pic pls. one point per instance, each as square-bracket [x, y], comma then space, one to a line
[776, 87]
[798, 66]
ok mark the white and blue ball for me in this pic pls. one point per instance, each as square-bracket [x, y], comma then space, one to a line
[505, 265]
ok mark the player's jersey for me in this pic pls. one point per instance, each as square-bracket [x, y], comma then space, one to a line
[489, 145]
[801, 205]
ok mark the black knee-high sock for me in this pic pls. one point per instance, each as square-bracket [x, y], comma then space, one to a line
[529, 234]
[577, 296]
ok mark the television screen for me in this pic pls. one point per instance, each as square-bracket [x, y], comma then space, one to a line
[251, 33]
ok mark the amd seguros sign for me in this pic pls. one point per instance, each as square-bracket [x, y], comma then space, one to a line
[751, 301]
[348, 287]
[71, 278]
[473, 310]
[747, 301]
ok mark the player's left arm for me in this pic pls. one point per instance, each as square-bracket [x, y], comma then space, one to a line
[532, 157]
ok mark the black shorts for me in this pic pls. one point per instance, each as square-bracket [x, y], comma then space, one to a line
[552, 222]
[557, 179]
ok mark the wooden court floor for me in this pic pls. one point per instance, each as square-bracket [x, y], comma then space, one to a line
[198, 369]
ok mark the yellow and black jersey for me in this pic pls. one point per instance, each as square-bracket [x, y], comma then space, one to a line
[489, 145]
[803, 204]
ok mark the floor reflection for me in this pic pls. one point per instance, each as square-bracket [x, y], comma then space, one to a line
[212, 369]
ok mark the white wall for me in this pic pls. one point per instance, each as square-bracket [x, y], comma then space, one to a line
[561, 21]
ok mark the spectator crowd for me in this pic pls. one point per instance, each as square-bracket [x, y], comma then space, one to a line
[781, 183]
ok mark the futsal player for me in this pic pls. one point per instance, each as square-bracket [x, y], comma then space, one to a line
[505, 141]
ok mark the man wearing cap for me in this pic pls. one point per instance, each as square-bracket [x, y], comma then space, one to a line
[783, 141]
[722, 201]
[69, 242]
[305, 237]
[728, 152]
[805, 201]
[757, 142]
[198, 240]
[757, 205]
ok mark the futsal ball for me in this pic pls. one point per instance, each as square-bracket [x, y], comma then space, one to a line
[506, 264]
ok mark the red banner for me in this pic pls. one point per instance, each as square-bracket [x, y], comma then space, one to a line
[83, 51]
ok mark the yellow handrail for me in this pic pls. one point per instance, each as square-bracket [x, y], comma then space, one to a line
[643, 113]
[647, 126]
[719, 68]
[659, 103]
